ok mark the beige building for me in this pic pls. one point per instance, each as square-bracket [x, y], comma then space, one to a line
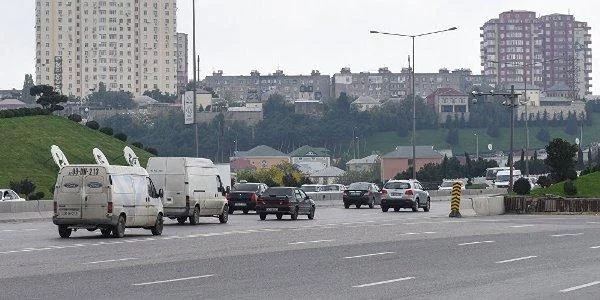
[129, 45]
[262, 157]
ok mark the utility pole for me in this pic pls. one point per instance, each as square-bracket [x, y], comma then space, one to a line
[195, 78]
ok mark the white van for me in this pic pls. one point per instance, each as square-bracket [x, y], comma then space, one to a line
[192, 188]
[503, 178]
[106, 197]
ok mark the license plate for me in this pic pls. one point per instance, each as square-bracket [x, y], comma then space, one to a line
[240, 204]
[271, 209]
[355, 193]
[69, 213]
[396, 194]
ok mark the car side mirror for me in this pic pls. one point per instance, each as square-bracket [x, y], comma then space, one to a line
[161, 193]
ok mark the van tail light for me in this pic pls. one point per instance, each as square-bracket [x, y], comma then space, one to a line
[253, 198]
[109, 208]
[55, 207]
[187, 201]
[409, 192]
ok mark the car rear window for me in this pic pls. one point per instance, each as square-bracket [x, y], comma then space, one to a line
[397, 185]
[278, 191]
[245, 187]
[359, 186]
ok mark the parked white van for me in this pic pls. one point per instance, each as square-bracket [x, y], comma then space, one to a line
[503, 178]
[192, 188]
[105, 197]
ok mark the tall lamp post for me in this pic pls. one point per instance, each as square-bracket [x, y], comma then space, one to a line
[414, 97]
[477, 146]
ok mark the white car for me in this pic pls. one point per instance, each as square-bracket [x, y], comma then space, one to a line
[447, 185]
[399, 194]
[9, 195]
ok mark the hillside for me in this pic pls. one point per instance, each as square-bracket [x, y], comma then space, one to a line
[25, 148]
[587, 187]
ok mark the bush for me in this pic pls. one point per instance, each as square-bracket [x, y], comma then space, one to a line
[544, 181]
[36, 196]
[569, 188]
[121, 136]
[24, 187]
[571, 174]
[138, 144]
[107, 130]
[75, 118]
[22, 112]
[522, 186]
[93, 125]
[152, 150]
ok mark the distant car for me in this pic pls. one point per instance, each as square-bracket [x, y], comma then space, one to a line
[9, 196]
[399, 194]
[312, 188]
[447, 185]
[281, 201]
[334, 188]
[243, 196]
[361, 193]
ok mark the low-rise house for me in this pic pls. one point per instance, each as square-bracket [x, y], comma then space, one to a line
[308, 154]
[12, 104]
[400, 159]
[328, 175]
[364, 164]
[365, 103]
[262, 157]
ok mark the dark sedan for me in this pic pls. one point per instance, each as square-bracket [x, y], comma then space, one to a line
[362, 193]
[281, 201]
[244, 196]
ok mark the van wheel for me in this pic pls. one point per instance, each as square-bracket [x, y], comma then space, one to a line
[263, 216]
[181, 220]
[64, 231]
[119, 230]
[195, 217]
[224, 216]
[158, 227]
[105, 232]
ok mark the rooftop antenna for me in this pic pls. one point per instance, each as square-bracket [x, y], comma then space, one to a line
[100, 157]
[130, 157]
[59, 157]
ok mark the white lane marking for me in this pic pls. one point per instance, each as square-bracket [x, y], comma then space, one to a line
[593, 222]
[317, 241]
[429, 232]
[367, 255]
[595, 247]
[475, 243]
[173, 280]
[580, 287]
[383, 282]
[521, 226]
[110, 260]
[516, 259]
[567, 234]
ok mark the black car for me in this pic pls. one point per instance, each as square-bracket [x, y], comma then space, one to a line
[243, 196]
[281, 201]
[362, 193]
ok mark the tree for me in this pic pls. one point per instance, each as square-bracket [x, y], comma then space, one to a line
[452, 137]
[92, 125]
[48, 98]
[157, 95]
[27, 85]
[560, 159]
[106, 130]
[580, 164]
[75, 118]
[23, 187]
[111, 99]
[121, 136]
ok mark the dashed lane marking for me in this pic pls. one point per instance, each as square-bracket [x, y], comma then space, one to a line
[475, 243]
[566, 234]
[579, 287]
[368, 255]
[383, 282]
[317, 241]
[109, 261]
[521, 226]
[516, 259]
[173, 280]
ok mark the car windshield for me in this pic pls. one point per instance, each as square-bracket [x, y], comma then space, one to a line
[245, 187]
[359, 186]
[279, 191]
[397, 185]
[310, 188]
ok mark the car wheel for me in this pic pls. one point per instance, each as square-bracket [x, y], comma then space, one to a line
[311, 215]
[415, 206]
[396, 208]
[119, 230]
[346, 205]
[263, 216]
[295, 214]
[105, 232]
[428, 206]
[158, 226]
[224, 216]
[384, 208]
[195, 217]
[64, 231]
[279, 216]
[372, 203]
[245, 211]
[181, 220]
[358, 205]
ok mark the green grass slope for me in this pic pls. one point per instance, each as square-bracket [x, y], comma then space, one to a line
[25, 148]
[587, 187]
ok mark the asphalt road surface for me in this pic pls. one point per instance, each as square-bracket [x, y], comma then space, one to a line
[341, 254]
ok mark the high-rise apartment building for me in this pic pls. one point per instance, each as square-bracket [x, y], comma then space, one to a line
[128, 45]
[545, 51]
[182, 61]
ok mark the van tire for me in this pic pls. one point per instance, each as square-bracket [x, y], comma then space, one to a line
[105, 232]
[224, 216]
[181, 220]
[158, 226]
[119, 229]
[195, 217]
[64, 231]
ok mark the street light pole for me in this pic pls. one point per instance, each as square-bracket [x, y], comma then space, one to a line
[414, 96]
[195, 78]
[477, 146]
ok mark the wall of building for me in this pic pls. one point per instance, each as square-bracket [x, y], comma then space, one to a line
[266, 162]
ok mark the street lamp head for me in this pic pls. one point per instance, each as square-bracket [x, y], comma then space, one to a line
[373, 31]
[452, 28]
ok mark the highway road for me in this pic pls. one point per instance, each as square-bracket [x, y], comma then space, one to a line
[342, 254]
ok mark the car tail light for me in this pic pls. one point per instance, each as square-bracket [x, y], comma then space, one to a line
[253, 197]
[109, 208]
[187, 201]
[55, 207]
[408, 192]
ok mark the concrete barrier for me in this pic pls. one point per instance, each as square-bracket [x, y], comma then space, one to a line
[26, 210]
[468, 192]
[466, 207]
[488, 206]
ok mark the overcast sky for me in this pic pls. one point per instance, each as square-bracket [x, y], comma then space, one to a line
[297, 36]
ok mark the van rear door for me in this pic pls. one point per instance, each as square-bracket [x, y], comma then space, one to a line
[69, 194]
[95, 194]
